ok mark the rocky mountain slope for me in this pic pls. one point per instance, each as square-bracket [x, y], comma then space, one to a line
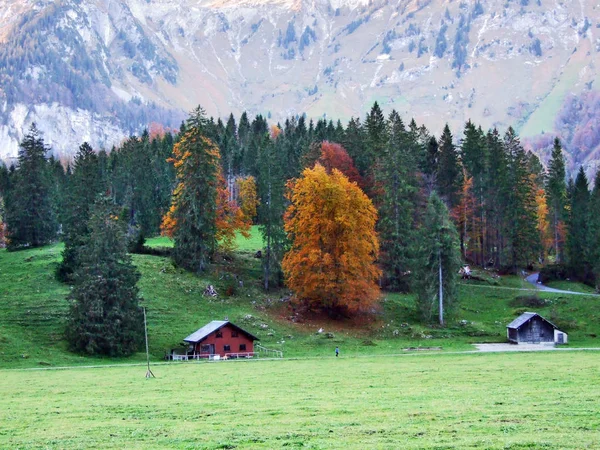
[99, 70]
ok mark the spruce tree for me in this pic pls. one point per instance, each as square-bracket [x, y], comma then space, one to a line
[437, 263]
[354, 141]
[496, 199]
[449, 176]
[105, 316]
[556, 192]
[523, 238]
[475, 159]
[84, 185]
[376, 142]
[578, 227]
[194, 207]
[593, 244]
[271, 190]
[397, 181]
[30, 206]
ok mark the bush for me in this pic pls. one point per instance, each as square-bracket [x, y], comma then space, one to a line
[530, 301]
[554, 272]
[155, 251]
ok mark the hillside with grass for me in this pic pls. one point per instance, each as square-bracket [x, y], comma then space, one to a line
[33, 311]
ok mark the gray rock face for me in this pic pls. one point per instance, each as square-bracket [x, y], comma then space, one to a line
[100, 70]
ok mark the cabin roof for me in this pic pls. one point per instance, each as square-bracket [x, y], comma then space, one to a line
[213, 326]
[526, 316]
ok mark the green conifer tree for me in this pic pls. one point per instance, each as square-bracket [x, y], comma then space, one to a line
[523, 238]
[578, 228]
[271, 189]
[85, 184]
[437, 263]
[196, 160]
[105, 316]
[556, 192]
[398, 183]
[30, 207]
[593, 244]
[449, 177]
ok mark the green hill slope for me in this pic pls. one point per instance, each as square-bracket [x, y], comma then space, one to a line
[33, 310]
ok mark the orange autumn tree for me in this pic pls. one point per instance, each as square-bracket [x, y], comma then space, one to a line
[248, 199]
[331, 224]
[334, 156]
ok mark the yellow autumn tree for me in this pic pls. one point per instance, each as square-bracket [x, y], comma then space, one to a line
[230, 218]
[543, 225]
[248, 199]
[331, 224]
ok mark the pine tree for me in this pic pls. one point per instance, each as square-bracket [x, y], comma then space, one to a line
[523, 239]
[193, 213]
[578, 228]
[399, 186]
[105, 317]
[271, 191]
[556, 191]
[85, 184]
[430, 164]
[30, 206]
[475, 159]
[593, 243]
[376, 142]
[449, 177]
[437, 263]
[496, 199]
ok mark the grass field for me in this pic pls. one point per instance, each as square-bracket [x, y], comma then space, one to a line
[251, 244]
[444, 401]
[33, 311]
[376, 395]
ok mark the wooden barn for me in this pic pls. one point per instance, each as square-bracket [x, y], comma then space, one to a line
[220, 339]
[532, 328]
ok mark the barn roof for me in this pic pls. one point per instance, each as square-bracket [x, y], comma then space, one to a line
[524, 318]
[211, 327]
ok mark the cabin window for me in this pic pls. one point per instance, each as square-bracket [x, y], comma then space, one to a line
[226, 348]
[219, 334]
[234, 333]
[205, 348]
[242, 347]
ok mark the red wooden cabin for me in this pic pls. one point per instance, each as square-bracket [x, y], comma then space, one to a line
[221, 337]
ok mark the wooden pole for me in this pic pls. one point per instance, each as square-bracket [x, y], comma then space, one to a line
[441, 292]
[149, 373]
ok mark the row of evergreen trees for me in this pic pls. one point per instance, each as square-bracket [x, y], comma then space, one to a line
[508, 210]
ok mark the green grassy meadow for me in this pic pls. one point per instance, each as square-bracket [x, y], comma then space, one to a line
[33, 309]
[442, 401]
[378, 394]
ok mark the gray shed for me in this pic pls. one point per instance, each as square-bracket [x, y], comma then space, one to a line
[530, 327]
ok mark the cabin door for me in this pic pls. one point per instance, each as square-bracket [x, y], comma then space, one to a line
[535, 331]
[212, 349]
